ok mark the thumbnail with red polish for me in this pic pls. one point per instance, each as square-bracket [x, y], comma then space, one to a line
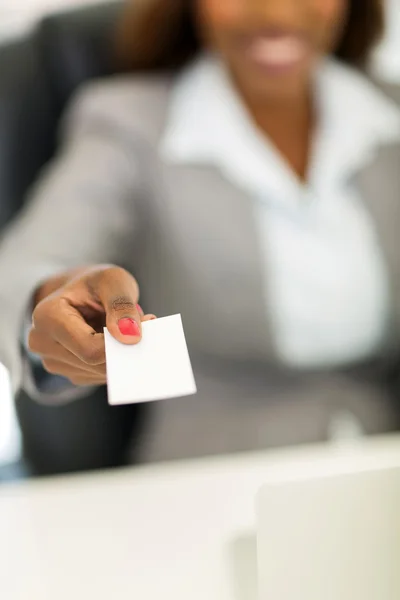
[129, 327]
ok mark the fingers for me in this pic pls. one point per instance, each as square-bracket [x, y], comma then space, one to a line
[52, 353]
[69, 329]
[148, 318]
[119, 293]
[76, 375]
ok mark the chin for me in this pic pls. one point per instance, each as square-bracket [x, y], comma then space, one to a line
[282, 87]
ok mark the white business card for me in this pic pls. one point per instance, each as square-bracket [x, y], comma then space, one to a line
[157, 368]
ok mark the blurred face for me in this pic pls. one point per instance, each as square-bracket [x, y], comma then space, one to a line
[271, 46]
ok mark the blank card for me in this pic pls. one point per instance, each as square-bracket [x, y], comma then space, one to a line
[157, 368]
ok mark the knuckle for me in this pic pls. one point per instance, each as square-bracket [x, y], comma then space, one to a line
[121, 304]
[41, 316]
[113, 274]
[124, 285]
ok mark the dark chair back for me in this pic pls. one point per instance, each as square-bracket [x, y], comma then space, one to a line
[38, 75]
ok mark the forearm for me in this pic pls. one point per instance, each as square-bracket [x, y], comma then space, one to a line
[80, 212]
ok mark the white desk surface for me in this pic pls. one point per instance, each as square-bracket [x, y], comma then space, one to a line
[167, 531]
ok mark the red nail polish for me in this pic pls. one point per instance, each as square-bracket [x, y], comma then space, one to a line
[129, 327]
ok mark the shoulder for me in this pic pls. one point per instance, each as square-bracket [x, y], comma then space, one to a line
[124, 105]
[390, 90]
[371, 83]
[362, 86]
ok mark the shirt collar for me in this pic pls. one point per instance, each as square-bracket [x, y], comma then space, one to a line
[208, 124]
[355, 119]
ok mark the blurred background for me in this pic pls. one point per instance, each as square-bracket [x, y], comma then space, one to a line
[17, 17]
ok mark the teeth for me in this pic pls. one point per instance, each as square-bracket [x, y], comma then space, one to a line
[282, 51]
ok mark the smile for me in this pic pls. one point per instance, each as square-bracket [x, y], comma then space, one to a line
[278, 52]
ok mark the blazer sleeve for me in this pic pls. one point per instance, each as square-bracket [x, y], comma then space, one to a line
[83, 210]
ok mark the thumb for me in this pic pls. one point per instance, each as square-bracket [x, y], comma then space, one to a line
[118, 292]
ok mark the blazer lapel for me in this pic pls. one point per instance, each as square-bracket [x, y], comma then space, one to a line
[220, 239]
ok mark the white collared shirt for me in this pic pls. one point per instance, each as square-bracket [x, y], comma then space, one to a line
[324, 273]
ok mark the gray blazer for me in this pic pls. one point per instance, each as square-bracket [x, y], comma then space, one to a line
[189, 237]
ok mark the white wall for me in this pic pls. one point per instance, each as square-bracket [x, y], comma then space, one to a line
[387, 58]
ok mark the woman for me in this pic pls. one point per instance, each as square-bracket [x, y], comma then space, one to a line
[245, 178]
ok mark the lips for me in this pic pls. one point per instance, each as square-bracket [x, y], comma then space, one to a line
[278, 51]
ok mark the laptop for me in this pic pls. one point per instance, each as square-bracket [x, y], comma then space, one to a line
[330, 530]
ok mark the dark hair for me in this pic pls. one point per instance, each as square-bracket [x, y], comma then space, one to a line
[161, 34]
